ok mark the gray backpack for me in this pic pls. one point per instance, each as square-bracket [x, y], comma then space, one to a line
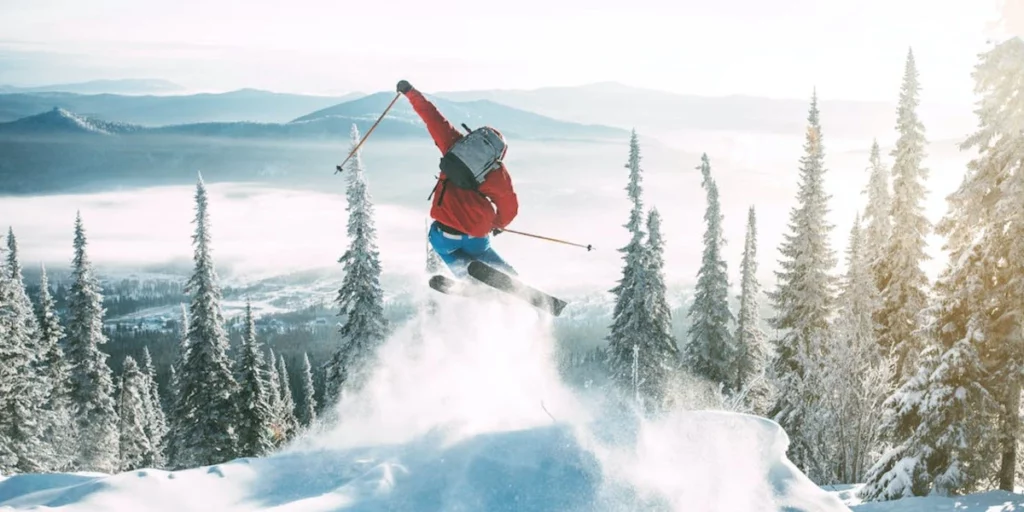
[473, 157]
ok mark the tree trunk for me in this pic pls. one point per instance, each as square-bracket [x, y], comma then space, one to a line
[1011, 428]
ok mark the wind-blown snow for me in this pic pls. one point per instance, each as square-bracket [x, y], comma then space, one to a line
[466, 412]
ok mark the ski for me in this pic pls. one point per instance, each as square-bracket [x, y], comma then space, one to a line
[449, 286]
[508, 284]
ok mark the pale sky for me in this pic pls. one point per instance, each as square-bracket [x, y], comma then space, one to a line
[851, 49]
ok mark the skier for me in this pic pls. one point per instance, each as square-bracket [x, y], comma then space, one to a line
[464, 217]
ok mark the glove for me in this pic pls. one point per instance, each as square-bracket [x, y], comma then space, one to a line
[404, 86]
[496, 232]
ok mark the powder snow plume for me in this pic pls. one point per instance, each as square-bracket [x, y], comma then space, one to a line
[479, 367]
[471, 367]
[466, 412]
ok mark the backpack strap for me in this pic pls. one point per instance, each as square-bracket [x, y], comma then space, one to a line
[444, 187]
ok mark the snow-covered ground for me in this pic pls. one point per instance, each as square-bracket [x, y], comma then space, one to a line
[466, 412]
[993, 501]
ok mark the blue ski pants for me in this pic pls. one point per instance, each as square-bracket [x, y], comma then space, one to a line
[457, 251]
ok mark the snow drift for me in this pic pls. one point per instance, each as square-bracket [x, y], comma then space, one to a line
[466, 412]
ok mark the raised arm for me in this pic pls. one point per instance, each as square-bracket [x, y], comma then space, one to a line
[442, 131]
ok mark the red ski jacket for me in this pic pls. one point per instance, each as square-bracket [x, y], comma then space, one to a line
[465, 210]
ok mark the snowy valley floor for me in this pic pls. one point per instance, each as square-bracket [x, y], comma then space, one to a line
[467, 414]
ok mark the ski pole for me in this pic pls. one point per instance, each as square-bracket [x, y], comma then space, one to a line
[588, 247]
[367, 134]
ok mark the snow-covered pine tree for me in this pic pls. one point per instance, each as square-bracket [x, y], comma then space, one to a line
[900, 472]
[307, 414]
[660, 355]
[958, 414]
[710, 352]
[277, 423]
[289, 423]
[31, 416]
[804, 297]
[628, 315]
[132, 404]
[156, 420]
[853, 374]
[878, 218]
[360, 298]
[752, 350]
[905, 292]
[943, 418]
[23, 391]
[994, 192]
[208, 408]
[255, 435]
[941, 412]
[60, 431]
[13, 356]
[92, 384]
[175, 406]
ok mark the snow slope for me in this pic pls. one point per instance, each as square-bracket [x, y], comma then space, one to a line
[466, 413]
[992, 501]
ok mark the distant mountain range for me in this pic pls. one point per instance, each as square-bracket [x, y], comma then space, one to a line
[549, 110]
[60, 122]
[59, 150]
[123, 86]
[242, 105]
[615, 104]
[512, 122]
[334, 122]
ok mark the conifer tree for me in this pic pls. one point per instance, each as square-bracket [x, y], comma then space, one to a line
[207, 405]
[943, 418]
[638, 363]
[853, 376]
[711, 350]
[901, 471]
[255, 434]
[289, 423]
[752, 350]
[277, 424]
[993, 208]
[360, 298]
[22, 434]
[92, 384]
[661, 354]
[804, 297]
[956, 435]
[176, 407]
[132, 404]
[307, 415]
[628, 292]
[878, 218]
[60, 431]
[968, 431]
[905, 283]
[156, 420]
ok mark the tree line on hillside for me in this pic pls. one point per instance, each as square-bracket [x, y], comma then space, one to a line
[877, 375]
[63, 409]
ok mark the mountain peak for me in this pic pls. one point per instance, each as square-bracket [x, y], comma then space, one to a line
[61, 120]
